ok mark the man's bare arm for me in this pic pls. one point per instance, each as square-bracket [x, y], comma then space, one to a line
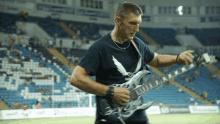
[170, 60]
[163, 61]
[80, 80]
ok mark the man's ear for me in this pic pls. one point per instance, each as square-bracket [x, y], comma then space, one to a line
[118, 20]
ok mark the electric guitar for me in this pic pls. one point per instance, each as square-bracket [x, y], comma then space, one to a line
[117, 114]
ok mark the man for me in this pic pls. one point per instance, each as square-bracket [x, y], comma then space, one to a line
[204, 94]
[22, 40]
[180, 90]
[51, 43]
[217, 101]
[60, 105]
[74, 40]
[192, 99]
[113, 59]
[33, 106]
[38, 106]
[196, 103]
[69, 59]
[61, 43]
[19, 40]
[14, 105]
[32, 82]
[25, 107]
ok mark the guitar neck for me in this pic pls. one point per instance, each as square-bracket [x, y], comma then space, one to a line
[147, 86]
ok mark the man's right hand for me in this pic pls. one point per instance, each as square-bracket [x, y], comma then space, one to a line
[121, 95]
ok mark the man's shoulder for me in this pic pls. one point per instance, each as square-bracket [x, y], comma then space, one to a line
[100, 43]
[138, 40]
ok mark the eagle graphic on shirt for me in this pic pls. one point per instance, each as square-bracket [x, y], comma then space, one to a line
[123, 71]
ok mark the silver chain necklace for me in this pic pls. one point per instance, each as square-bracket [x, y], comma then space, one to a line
[120, 47]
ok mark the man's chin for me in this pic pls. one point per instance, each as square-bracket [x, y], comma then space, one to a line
[130, 38]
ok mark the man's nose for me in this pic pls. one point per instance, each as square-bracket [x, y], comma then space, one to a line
[137, 28]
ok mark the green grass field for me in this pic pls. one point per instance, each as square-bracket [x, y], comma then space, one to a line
[154, 119]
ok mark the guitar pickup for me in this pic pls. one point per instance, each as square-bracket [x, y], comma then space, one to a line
[206, 57]
[209, 59]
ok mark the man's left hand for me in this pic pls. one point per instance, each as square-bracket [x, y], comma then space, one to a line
[185, 57]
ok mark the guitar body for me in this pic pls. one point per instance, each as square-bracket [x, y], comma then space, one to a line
[116, 113]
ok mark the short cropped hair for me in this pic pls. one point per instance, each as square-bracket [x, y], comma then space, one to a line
[127, 7]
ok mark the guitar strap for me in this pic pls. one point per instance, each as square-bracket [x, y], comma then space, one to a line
[132, 41]
[147, 67]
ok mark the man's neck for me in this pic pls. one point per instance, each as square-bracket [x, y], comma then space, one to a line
[116, 36]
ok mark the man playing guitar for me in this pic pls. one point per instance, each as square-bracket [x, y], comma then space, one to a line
[114, 59]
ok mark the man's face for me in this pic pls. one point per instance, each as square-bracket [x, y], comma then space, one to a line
[129, 26]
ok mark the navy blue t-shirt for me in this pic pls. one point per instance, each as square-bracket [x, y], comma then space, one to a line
[112, 65]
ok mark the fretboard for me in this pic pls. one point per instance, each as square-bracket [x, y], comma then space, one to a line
[147, 86]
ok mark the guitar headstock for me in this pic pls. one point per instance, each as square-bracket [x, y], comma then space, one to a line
[204, 59]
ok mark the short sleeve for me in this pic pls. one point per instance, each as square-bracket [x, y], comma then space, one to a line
[149, 55]
[146, 53]
[91, 60]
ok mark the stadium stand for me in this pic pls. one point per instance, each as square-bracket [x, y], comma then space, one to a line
[170, 96]
[14, 90]
[198, 80]
[207, 37]
[13, 82]
[29, 93]
[88, 30]
[51, 27]
[163, 36]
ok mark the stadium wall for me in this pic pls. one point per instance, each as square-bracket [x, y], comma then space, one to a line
[73, 12]
[86, 111]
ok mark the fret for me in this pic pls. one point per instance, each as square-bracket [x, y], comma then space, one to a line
[138, 91]
[180, 70]
[169, 76]
[160, 80]
[183, 69]
[143, 89]
[186, 67]
[176, 72]
[164, 79]
[146, 87]
[192, 65]
[150, 86]
[152, 83]
[157, 83]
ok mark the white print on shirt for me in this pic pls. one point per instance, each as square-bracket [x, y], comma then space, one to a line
[123, 71]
